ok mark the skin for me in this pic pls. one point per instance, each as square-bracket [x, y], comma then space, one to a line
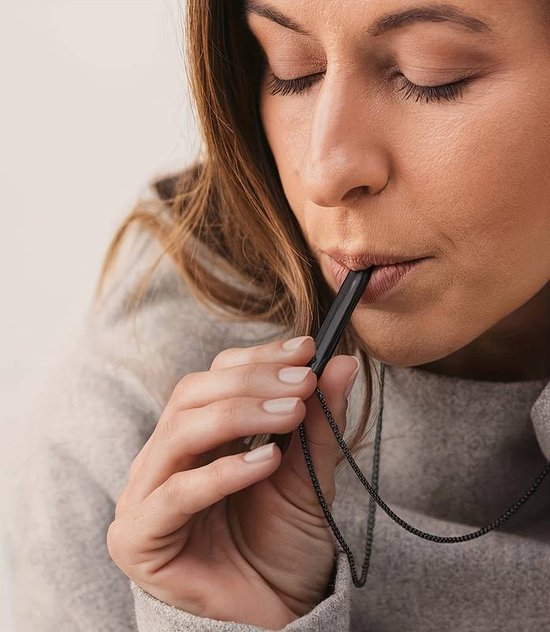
[464, 181]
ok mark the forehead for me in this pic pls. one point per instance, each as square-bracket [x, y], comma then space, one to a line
[377, 18]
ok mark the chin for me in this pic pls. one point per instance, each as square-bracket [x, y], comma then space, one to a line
[409, 346]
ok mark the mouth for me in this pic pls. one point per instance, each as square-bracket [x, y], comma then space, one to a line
[386, 275]
[364, 260]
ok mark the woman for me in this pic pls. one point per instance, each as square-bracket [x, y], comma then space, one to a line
[337, 135]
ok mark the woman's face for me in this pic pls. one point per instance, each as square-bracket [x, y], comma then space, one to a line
[461, 174]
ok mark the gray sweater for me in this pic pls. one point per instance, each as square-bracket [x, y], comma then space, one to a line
[455, 454]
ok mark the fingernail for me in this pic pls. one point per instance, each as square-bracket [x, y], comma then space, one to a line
[294, 343]
[281, 405]
[263, 453]
[294, 374]
[351, 380]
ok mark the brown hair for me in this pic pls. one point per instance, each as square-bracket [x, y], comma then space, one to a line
[230, 204]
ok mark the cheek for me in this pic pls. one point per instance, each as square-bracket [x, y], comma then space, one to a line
[287, 132]
[482, 175]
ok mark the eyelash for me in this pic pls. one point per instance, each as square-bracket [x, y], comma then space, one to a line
[445, 92]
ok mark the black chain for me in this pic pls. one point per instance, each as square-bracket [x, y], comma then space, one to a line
[374, 488]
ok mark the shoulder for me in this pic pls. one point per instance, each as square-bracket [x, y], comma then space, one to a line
[107, 390]
[171, 332]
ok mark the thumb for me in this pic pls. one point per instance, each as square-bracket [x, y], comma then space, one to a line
[335, 383]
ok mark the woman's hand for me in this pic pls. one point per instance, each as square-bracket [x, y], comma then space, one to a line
[199, 527]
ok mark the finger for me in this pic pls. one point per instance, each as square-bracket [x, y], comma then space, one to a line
[295, 351]
[195, 432]
[169, 507]
[163, 456]
[321, 442]
[262, 379]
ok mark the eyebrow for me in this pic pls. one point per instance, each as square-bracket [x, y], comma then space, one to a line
[384, 23]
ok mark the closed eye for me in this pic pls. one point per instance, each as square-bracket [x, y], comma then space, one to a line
[444, 92]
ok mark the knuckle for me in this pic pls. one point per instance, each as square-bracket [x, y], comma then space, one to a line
[223, 417]
[249, 376]
[138, 460]
[122, 503]
[217, 476]
[223, 358]
[184, 385]
[172, 487]
[170, 426]
[231, 410]
[115, 540]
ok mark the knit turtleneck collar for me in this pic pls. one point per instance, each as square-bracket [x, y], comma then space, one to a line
[461, 449]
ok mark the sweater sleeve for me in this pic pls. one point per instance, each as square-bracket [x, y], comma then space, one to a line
[333, 613]
[69, 463]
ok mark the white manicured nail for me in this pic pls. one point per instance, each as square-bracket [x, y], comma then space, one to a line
[263, 453]
[294, 374]
[281, 405]
[294, 343]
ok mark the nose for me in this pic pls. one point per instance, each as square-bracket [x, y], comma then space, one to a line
[345, 157]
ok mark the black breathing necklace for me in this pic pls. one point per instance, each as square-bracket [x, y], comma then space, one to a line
[359, 582]
[325, 343]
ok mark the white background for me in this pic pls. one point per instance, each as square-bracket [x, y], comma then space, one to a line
[93, 104]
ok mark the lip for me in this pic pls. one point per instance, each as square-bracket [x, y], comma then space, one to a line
[384, 278]
[364, 260]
